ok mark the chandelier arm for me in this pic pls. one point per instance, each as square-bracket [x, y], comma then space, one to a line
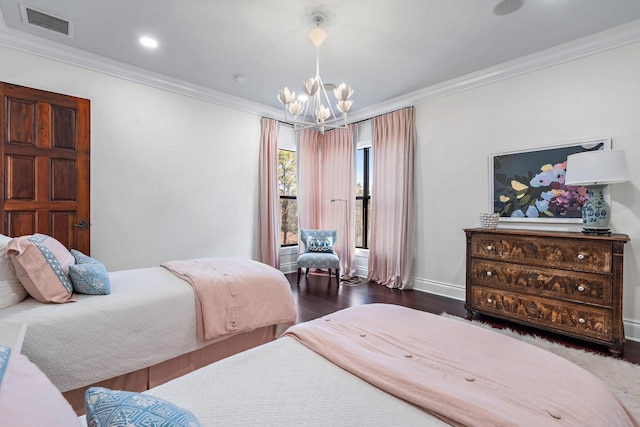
[306, 106]
[317, 62]
[329, 124]
[326, 98]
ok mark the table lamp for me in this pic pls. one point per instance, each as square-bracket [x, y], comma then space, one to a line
[595, 170]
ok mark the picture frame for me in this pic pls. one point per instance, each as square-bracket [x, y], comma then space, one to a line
[528, 185]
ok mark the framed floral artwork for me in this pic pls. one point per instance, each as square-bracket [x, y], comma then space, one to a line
[528, 185]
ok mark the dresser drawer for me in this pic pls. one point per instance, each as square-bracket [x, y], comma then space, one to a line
[592, 256]
[554, 283]
[580, 320]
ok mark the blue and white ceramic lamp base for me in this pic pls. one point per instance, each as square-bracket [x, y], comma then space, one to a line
[596, 212]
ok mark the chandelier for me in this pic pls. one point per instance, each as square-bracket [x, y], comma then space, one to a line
[314, 111]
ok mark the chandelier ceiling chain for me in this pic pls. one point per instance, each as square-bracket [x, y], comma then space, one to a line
[310, 112]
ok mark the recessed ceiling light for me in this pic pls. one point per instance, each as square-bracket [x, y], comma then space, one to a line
[148, 42]
[507, 7]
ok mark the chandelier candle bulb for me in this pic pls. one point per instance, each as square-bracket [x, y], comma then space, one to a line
[343, 92]
[344, 106]
[286, 96]
[295, 108]
[323, 113]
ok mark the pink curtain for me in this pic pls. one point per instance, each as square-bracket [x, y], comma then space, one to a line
[269, 194]
[308, 151]
[393, 215]
[308, 158]
[338, 193]
[326, 188]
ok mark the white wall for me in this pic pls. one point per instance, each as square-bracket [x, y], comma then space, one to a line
[586, 98]
[172, 177]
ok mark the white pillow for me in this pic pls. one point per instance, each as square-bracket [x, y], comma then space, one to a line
[11, 290]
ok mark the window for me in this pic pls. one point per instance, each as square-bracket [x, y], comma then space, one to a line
[288, 200]
[364, 175]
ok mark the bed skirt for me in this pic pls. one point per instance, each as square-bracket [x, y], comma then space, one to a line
[152, 376]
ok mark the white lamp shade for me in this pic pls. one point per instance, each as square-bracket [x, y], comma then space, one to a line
[596, 167]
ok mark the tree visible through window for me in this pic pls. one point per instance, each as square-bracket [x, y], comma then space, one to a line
[364, 179]
[288, 200]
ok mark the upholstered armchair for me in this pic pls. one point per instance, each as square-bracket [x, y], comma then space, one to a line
[317, 252]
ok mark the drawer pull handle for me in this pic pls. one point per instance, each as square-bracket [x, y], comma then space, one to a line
[581, 320]
[580, 256]
[489, 273]
[581, 288]
[489, 300]
[489, 248]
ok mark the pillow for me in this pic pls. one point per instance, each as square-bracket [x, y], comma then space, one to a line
[90, 278]
[5, 352]
[320, 245]
[42, 266]
[82, 258]
[28, 398]
[11, 290]
[104, 407]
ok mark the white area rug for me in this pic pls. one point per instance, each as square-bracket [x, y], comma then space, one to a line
[621, 376]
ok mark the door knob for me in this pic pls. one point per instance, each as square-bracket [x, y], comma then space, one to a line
[83, 225]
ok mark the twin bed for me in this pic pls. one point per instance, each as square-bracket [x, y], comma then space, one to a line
[375, 364]
[151, 327]
[382, 364]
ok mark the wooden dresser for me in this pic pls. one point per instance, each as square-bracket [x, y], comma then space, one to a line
[563, 282]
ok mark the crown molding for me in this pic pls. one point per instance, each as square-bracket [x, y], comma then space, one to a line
[613, 38]
[27, 43]
[616, 37]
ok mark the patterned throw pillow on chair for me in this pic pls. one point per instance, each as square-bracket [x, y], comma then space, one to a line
[320, 245]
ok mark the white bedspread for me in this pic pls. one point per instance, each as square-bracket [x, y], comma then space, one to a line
[148, 318]
[283, 383]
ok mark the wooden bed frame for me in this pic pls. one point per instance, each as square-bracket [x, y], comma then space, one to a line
[146, 378]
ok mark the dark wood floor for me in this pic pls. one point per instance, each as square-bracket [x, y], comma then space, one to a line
[316, 296]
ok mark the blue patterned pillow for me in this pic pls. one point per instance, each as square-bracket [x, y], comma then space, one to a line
[5, 352]
[320, 245]
[90, 279]
[82, 258]
[114, 408]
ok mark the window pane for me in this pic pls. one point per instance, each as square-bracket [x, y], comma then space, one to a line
[287, 172]
[360, 172]
[358, 224]
[368, 222]
[288, 222]
[370, 171]
[288, 204]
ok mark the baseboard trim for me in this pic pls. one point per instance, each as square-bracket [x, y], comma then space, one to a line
[631, 330]
[439, 288]
[289, 267]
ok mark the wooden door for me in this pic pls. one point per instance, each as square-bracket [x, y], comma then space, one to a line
[44, 159]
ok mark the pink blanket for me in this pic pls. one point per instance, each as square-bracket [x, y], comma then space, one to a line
[235, 295]
[461, 373]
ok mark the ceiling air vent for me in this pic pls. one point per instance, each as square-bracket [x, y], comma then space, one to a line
[46, 21]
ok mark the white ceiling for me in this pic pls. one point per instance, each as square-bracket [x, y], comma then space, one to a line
[384, 48]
